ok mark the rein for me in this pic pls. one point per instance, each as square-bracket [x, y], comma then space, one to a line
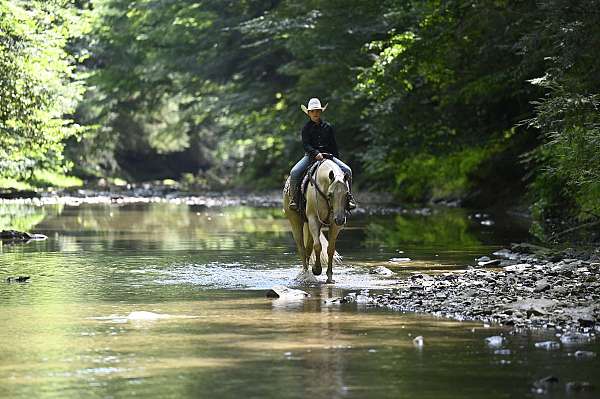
[313, 181]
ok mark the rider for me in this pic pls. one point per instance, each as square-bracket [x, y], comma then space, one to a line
[317, 138]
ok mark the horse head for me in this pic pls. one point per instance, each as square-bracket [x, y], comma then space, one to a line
[337, 194]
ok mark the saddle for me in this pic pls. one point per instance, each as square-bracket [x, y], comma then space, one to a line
[306, 178]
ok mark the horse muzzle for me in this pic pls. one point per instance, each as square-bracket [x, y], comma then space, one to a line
[340, 220]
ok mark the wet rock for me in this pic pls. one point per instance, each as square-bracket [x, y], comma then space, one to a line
[579, 386]
[574, 338]
[494, 341]
[399, 260]
[418, 341]
[548, 345]
[20, 236]
[382, 271]
[18, 279]
[335, 301]
[542, 385]
[283, 292]
[489, 263]
[584, 354]
[527, 248]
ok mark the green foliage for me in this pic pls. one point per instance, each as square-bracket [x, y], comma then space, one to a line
[566, 187]
[39, 87]
[427, 97]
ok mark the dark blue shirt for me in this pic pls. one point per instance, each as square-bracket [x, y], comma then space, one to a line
[319, 137]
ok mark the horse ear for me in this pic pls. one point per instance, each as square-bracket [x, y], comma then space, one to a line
[331, 175]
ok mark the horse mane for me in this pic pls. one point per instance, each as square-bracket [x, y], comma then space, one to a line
[323, 173]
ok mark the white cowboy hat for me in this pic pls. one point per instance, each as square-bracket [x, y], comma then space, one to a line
[313, 103]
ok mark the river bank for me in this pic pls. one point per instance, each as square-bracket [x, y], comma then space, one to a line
[526, 287]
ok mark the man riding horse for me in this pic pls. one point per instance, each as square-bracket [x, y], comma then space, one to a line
[318, 138]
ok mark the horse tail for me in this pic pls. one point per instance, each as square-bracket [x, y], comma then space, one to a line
[337, 258]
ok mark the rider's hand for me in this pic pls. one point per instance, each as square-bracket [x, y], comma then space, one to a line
[319, 157]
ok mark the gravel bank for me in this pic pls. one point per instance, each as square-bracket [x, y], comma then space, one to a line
[523, 290]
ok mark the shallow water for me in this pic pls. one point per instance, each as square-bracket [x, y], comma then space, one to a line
[76, 329]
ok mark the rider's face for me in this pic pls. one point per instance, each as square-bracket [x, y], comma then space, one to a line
[315, 115]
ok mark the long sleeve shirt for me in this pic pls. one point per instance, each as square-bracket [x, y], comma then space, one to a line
[319, 137]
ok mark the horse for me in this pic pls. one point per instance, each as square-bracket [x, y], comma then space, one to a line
[326, 197]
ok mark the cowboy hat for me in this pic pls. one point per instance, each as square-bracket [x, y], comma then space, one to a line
[313, 103]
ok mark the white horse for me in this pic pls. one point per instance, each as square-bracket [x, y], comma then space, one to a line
[326, 198]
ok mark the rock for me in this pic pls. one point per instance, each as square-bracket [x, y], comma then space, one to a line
[14, 235]
[483, 259]
[504, 253]
[547, 345]
[574, 338]
[531, 306]
[579, 386]
[334, 301]
[502, 352]
[399, 260]
[543, 384]
[283, 292]
[541, 286]
[489, 263]
[487, 222]
[518, 268]
[418, 341]
[526, 248]
[18, 279]
[584, 354]
[382, 271]
[362, 299]
[494, 341]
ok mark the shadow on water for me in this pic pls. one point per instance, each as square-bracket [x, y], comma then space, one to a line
[203, 273]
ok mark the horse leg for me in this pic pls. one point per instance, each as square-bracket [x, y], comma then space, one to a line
[334, 230]
[308, 244]
[315, 230]
[299, 238]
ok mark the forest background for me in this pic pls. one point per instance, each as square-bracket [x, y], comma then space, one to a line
[486, 102]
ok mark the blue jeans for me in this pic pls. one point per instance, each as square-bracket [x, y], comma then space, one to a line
[303, 164]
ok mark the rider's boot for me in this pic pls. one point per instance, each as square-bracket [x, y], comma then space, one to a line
[351, 203]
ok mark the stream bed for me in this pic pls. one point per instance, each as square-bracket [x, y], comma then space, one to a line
[163, 299]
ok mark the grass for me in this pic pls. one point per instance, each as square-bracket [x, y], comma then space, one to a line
[42, 179]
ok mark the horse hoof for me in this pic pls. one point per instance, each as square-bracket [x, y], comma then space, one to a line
[317, 270]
